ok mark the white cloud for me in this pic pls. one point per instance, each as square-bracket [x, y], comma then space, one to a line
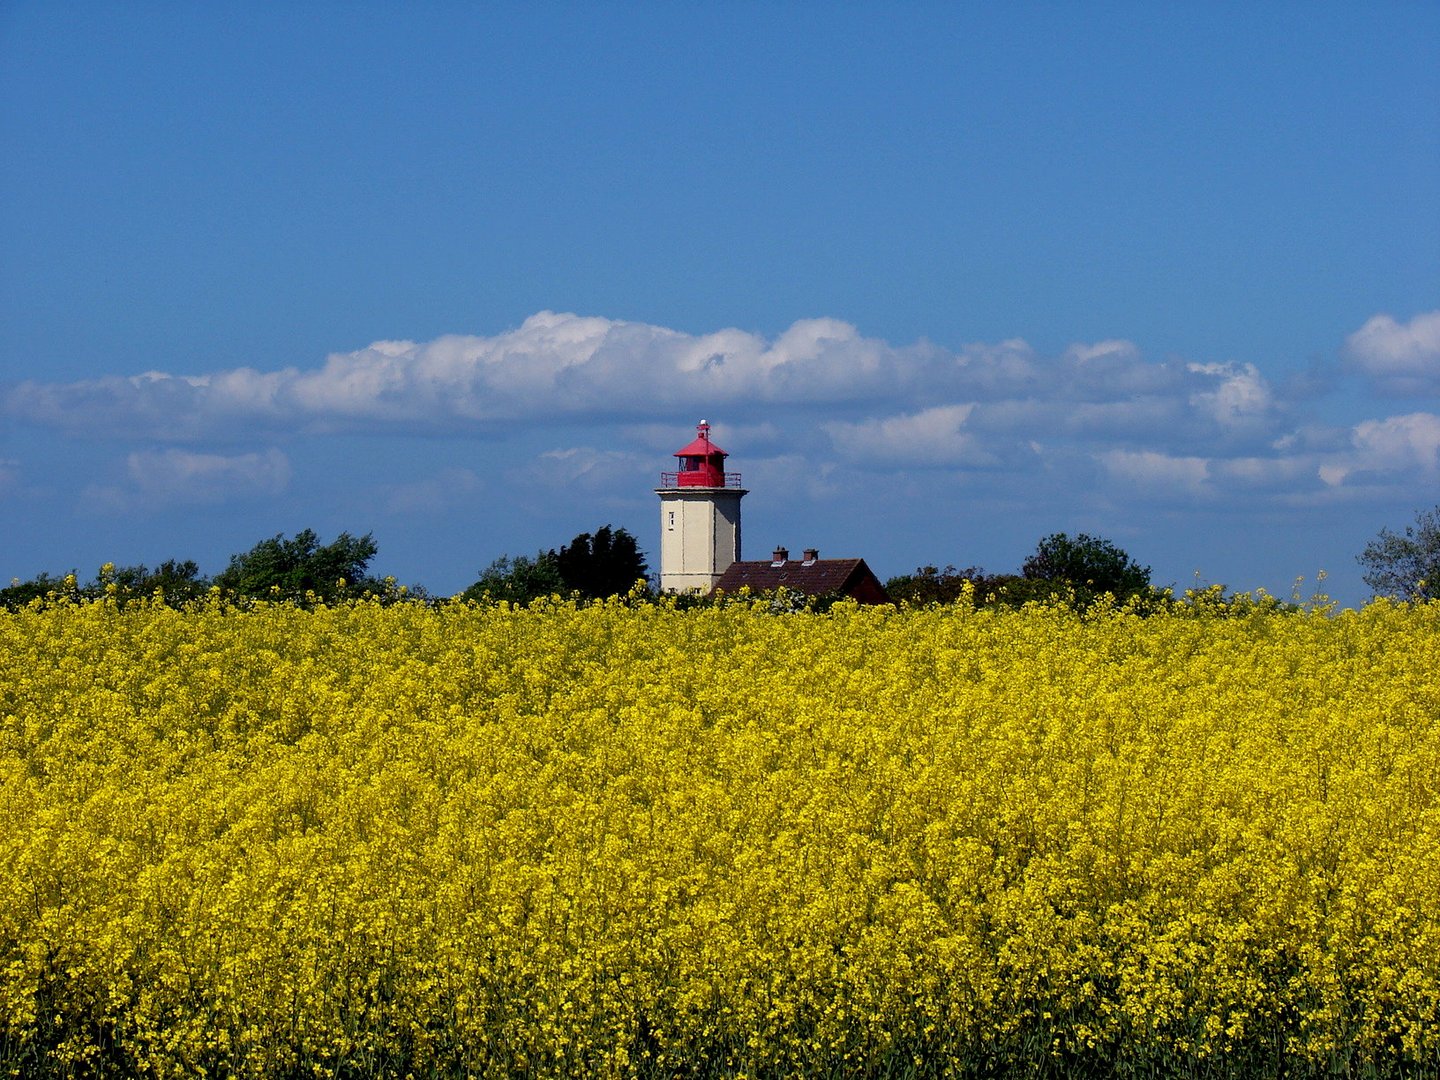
[1401, 358]
[1403, 446]
[553, 365]
[432, 495]
[1155, 471]
[988, 372]
[1100, 410]
[805, 475]
[1112, 370]
[936, 436]
[1257, 473]
[590, 468]
[559, 366]
[1116, 349]
[172, 476]
[1240, 395]
[1135, 418]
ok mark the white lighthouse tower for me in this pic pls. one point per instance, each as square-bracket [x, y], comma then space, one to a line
[699, 517]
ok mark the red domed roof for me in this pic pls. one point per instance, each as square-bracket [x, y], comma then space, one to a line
[701, 446]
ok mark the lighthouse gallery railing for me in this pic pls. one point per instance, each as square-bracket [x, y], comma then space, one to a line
[672, 479]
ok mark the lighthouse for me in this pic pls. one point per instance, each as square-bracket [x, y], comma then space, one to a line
[699, 517]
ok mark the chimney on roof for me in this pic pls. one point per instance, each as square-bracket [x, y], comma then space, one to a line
[781, 554]
[811, 554]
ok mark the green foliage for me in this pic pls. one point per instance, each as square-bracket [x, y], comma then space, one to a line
[176, 581]
[1076, 571]
[300, 567]
[273, 569]
[519, 580]
[607, 563]
[1089, 565]
[593, 566]
[1015, 591]
[19, 593]
[1215, 602]
[931, 585]
[1406, 567]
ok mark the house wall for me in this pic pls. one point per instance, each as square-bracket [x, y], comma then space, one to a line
[866, 589]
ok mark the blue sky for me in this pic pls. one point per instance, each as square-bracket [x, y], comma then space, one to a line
[945, 278]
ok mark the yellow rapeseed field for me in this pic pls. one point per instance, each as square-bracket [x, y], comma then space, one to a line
[625, 839]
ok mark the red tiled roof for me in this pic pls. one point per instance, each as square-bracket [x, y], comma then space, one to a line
[821, 577]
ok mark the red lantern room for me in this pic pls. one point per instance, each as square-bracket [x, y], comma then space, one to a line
[702, 464]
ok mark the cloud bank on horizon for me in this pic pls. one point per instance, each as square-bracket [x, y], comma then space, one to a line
[1172, 429]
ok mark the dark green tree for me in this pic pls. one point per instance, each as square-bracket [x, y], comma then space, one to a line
[19, 593]
[177, 581]
[607, 563]
[1015, 591]
[519, 580]
[931, 585]
[1406, 567]
[294, 567]
[1087, 564]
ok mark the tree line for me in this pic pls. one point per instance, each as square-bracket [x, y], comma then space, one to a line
[301, 569]
[1082, 569]
[1079, 570]
[295, 568]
